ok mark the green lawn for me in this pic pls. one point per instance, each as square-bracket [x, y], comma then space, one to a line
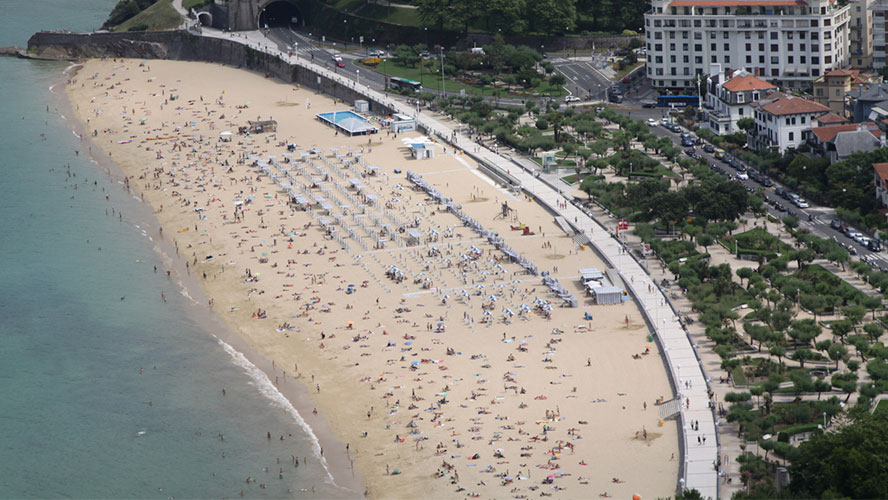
[570, 179]
[625, 71]
[431, 81]
[160, 16]
[394, 15]
[881, 406]
[194, 4]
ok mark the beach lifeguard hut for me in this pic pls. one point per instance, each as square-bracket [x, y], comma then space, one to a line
[402, 123]
[362, 106]
[422, 150]
[414, 237]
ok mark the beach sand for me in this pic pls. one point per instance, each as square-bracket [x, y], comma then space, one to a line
[430, 395]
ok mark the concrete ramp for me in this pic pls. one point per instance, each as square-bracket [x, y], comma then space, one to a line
[670, 409]
[564, 225]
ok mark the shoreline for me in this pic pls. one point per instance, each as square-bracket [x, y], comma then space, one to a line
[340, 474]
[604, 341]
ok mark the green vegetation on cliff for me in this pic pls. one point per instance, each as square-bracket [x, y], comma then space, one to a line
[159, 16]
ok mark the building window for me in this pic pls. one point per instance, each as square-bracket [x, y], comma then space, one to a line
[789, 60]
[727, 46]
[748, 59]
[774, 35]
[792, 136]
[775, 47]
[727, 59]
[713, 47]
[698, 47]
[714, 59]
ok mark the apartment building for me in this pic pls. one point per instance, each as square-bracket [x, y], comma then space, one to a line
[729, 98]
[783, 121]
[879, 8]
[832, 88]
[787, 42]
[861, 34]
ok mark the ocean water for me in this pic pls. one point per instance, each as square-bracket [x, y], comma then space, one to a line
[106, 391]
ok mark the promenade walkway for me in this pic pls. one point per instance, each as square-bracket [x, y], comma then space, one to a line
[699, 448]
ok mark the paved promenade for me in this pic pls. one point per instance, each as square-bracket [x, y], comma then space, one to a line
[682, 362]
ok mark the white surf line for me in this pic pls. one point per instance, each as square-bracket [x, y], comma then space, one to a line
[267, 389]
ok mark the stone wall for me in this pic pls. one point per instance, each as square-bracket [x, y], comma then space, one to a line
[184, 46]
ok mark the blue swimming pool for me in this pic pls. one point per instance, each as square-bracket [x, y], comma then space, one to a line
[347, 121]
[338, 117]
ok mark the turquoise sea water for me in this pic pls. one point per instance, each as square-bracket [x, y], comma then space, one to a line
[106, 391]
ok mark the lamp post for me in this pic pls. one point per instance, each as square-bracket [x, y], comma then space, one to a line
[296, 50]
[442, 72]
[426, 31]
[345, 37]
[358, 76]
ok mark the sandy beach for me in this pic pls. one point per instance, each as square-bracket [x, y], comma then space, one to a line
[443, 366]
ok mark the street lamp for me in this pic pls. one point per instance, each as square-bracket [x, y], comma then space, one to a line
[426, 31]
[442, 72]
[296, 50]
[345, 37]
[358, 75]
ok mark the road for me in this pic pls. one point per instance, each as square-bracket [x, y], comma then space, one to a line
[814, 218]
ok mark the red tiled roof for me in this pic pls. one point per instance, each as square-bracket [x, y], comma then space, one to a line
[831, 119]
[748, 82]
[789, 105]
[882, 171]
[737, 3]
[842, 72]
[827, 134]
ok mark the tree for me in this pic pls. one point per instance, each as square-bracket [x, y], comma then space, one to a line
[542, 124]
[557, 80]
[744, 273]
[552, 16]
[837, 352]
[779, 352]
[801, 355]
[506, 15]
[841, 328]
[854, 313]
[746, 124]
[847, 463]
[871, 303]
[433, 12]
[704, 240]
[874, 330]
[804, 330]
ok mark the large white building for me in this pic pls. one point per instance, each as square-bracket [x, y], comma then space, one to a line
[788, 42]
[783, 121]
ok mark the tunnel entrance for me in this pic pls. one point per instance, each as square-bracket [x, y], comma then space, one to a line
[205, 19]
[280, 14]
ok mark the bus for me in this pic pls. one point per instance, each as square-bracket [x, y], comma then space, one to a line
[396, 83]
[678, 101]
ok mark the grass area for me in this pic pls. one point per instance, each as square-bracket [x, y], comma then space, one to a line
[571, 179]
[394, 15]
[195, 4]
[158, 17]
[625, 71]
[347, 5]
[431, 80]
[881, 406]
[739, 376]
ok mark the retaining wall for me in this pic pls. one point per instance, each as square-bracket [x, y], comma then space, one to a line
[184, 46]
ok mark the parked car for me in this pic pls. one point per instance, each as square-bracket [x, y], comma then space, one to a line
[742, 175]
[801, 203]
[687, 141]
[709, 148]
[571, 98]
[651, 122]
[719, 153]
[835, 224]
[767, 182]
[648, 104]
[874, 245]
